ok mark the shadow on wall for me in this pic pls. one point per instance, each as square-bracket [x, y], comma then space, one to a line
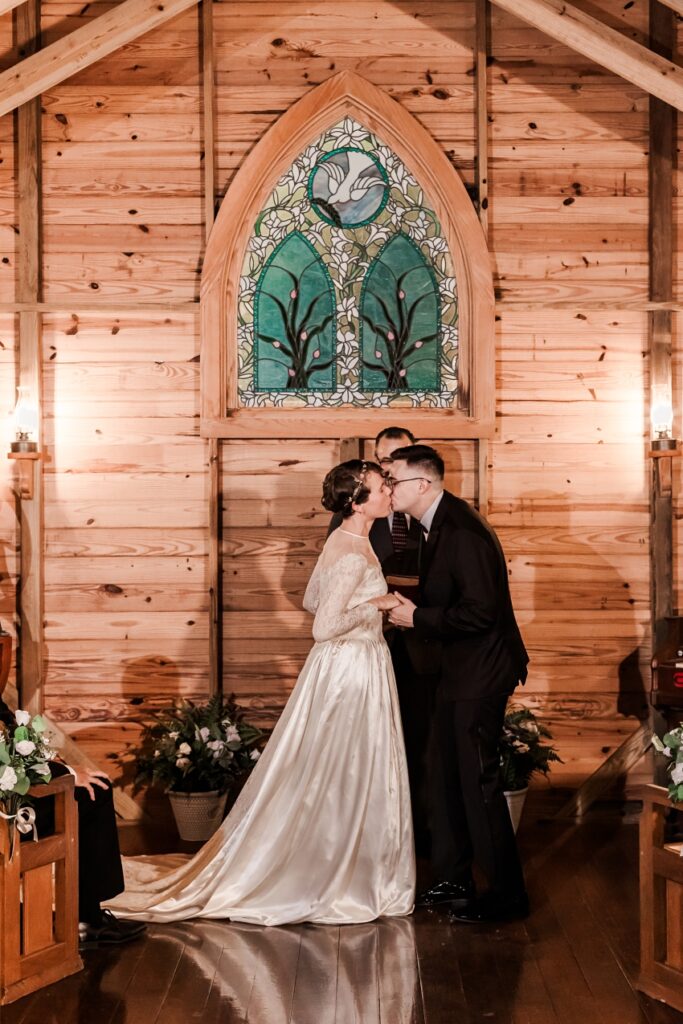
[578, 617]
[154, 673]
[274, 529]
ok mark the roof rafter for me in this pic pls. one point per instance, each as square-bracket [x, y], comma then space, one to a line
[9, 5]
[604, 45]
[674, 5]
[83, 47]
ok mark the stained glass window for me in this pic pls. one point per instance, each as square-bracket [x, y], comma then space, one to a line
[348, 293]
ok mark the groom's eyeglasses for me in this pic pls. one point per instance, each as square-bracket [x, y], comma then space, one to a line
[393, 482]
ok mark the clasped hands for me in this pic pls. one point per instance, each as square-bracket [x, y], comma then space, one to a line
[398, 609]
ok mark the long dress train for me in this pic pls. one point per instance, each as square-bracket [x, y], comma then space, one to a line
[322, 829]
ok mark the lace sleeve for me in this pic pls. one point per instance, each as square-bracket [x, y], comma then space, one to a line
[312, 594]
[333, 589]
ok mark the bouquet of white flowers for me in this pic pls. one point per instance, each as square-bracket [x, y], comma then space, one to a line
[197, 748]
[24, 756]
[671, 746]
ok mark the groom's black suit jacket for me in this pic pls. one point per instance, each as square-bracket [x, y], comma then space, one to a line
[465, 623]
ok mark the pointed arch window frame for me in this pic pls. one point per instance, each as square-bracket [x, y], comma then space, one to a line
[345, 95]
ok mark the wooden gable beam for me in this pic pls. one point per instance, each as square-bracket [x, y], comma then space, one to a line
[674, 5]
[9, 5]
[604, 45]
[83, 47]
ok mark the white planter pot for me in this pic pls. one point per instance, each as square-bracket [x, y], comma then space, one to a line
[198, 815]
[515, 800]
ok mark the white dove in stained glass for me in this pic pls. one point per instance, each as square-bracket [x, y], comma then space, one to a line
[349, 186]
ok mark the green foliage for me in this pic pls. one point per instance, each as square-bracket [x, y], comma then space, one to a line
[522, 750]
[671, 747]
[196, 748]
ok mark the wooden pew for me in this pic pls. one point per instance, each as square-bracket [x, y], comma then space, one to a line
[661, 903]
[39, 900]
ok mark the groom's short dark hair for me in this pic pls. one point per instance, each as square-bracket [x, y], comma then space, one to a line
[421, 456]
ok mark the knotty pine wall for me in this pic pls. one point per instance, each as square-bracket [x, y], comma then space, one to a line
[126, 514]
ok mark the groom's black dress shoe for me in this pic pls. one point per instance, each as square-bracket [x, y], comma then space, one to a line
[490, 908]
[457, 894]
[108, 931]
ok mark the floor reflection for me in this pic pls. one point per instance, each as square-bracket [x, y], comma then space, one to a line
[307, 973]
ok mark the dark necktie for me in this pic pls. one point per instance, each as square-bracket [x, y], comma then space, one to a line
[399, 531]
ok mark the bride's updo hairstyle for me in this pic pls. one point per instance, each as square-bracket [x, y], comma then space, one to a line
[344, 486]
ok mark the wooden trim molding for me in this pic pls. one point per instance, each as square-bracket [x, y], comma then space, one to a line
[30, 594]
[345, 95]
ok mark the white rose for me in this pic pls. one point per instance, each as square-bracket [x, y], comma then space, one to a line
[22, 717]
[157, 753]
[203, 734]
[25, 747]
[8, 779]
[232, 735]
[184, 748]
[181, 762]
[255, 754]
[174, 735]
[41, 769]
[677, 774]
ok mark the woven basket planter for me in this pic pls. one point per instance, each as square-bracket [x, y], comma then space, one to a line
[198, 815]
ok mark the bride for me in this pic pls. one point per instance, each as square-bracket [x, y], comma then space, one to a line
[322, 830]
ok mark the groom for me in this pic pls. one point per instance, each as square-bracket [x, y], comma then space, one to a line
[467, 629]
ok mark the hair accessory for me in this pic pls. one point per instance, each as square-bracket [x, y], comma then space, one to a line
[359, 485]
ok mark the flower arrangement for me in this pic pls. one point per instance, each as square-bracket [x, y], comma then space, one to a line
[198, 748]
[671, 746]
[522, 750]
[24, 756]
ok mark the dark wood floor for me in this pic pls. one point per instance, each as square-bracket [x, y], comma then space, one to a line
[572, 962]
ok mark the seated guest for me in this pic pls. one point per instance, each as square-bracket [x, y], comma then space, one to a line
[100, 876]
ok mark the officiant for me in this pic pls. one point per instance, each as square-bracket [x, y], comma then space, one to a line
[395, 540]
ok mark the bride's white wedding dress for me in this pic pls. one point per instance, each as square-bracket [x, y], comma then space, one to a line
[322, 830]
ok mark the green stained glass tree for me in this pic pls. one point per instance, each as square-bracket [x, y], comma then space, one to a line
[294, 321]
[400, 314]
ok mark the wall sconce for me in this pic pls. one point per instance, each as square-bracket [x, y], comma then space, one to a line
[663, 443]
[24, 450]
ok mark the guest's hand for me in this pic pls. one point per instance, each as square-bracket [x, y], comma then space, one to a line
[402, 614]
[385, 603]
[88, 779]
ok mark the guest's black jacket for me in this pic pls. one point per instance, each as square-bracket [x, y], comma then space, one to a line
[6, 716]
[465, 623]
[403, 563]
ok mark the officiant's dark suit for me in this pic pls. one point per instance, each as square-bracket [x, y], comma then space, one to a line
[466, 627]
[414, 693]
[100, 875]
